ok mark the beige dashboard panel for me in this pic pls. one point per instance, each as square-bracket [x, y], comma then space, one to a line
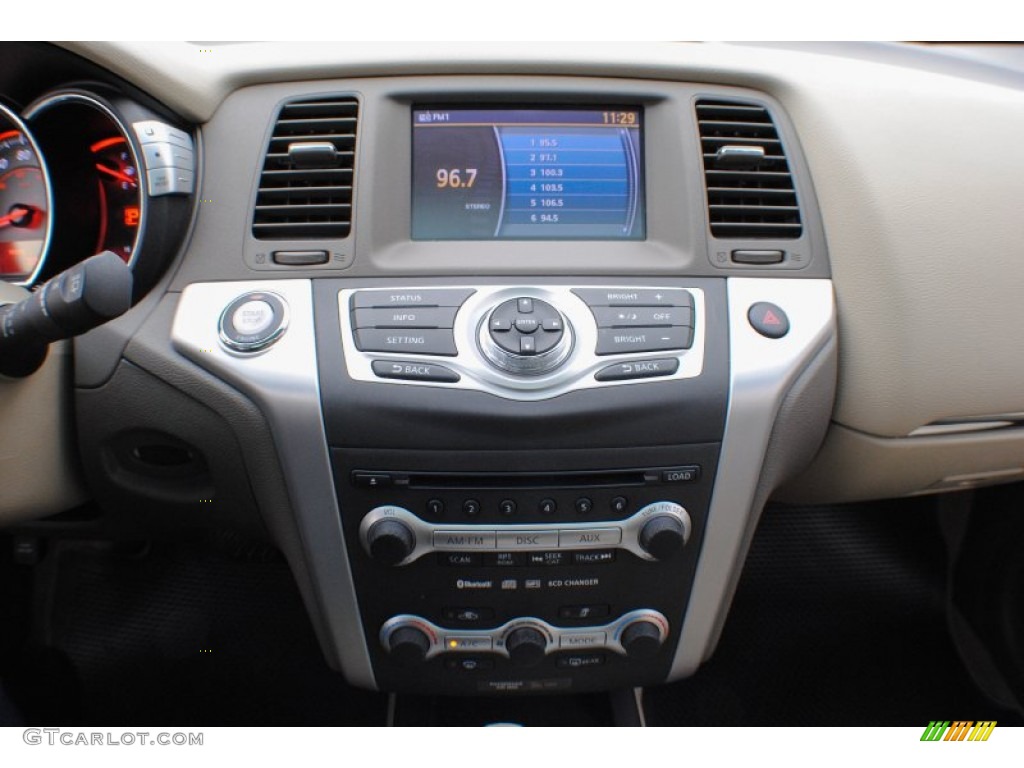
[38, 466]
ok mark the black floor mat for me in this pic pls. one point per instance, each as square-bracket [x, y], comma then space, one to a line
[839, 619]
[179, 635]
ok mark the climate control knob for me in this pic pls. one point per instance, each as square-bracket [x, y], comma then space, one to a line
[526, 646]
[641, 639]
[390, 541]
[408, 645]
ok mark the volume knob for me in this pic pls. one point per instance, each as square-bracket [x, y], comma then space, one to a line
[390, 541]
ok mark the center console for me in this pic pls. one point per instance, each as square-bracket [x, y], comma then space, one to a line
[526, 435]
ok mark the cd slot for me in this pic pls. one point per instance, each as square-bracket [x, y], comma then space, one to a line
[464, 481]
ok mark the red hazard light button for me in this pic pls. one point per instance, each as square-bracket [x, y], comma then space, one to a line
[768, 320]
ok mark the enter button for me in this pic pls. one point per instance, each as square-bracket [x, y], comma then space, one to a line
[638, 369]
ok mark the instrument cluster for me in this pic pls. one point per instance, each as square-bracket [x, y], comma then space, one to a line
[84, 171]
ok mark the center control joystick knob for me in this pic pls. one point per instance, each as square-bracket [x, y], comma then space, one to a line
[526, 646]
[526, 336]
[390, 541]
[408, 645]
[641, 639]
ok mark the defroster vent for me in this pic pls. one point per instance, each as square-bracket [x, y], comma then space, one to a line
[306, 185]
[749, 184]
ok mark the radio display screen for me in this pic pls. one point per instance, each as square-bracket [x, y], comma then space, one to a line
[526, 174]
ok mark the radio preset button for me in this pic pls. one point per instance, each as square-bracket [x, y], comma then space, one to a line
[471, 507]
[547, 506]
[507, 507]
[584, 505]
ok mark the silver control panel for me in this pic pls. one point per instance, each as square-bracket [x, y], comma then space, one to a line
[605, 637]
[522, 342]
[629, 534]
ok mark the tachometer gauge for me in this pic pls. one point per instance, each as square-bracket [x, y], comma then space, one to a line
[24, 202]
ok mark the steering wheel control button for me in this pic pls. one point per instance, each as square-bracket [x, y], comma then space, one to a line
[413, 371]
[435, 297]
[613, 341]
[405, 317]
[253, 322]
[439, 341]
[768, 319]
[638, 369]
[635, 297]
[525, 336]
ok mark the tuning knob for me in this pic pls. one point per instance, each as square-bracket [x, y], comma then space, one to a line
[665, 531]
[641, 639]
[526, 646]
[390, 541]
[408, 645]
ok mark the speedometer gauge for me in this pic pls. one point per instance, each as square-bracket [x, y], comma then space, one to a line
[24, 202]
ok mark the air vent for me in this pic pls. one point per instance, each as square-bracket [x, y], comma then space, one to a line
[306, 186]
[749, 184]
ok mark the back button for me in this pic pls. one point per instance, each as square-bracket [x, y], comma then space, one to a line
[413, 371]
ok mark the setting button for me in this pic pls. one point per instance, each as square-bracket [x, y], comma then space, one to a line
[638, 369]
[422, 342]
[253, 321]
[413, 371]
[588, 538]
[611, 341]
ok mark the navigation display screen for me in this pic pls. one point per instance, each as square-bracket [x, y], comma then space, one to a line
[518, 174]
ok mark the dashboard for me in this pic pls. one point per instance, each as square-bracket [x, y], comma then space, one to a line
[507, 354]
